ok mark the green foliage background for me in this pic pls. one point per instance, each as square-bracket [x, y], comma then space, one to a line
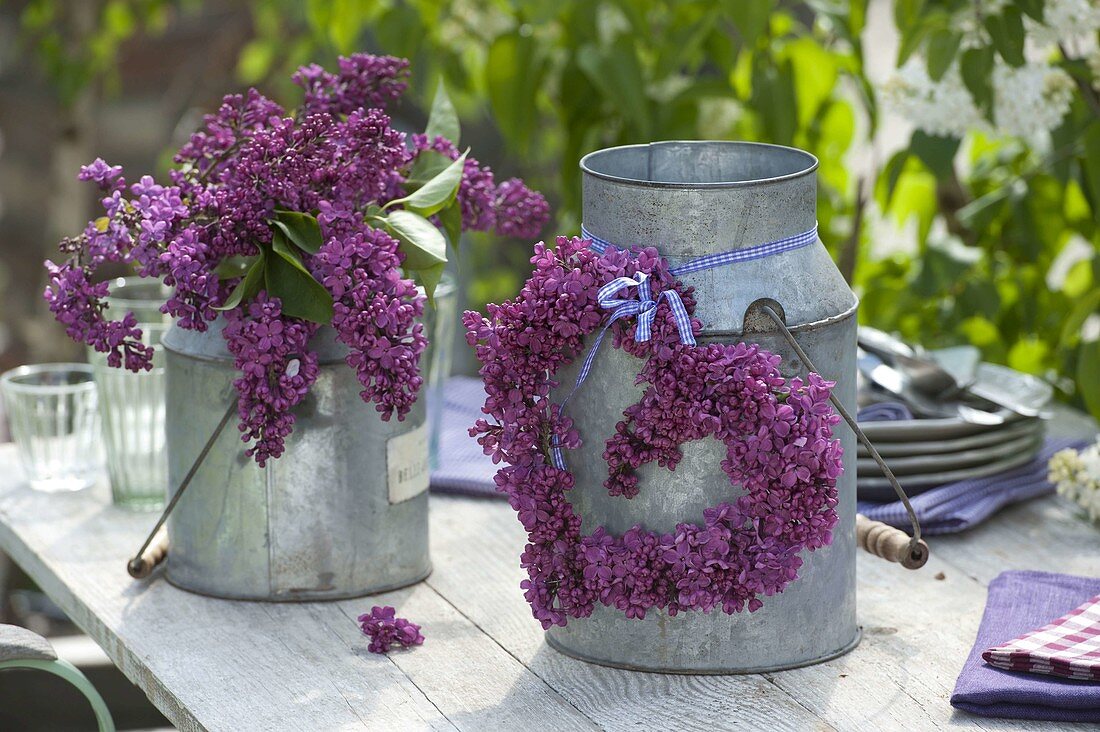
[550, 81]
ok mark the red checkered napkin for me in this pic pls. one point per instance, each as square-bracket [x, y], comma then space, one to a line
[1069, 647]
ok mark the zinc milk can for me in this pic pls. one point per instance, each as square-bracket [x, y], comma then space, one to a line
[342, 513]
[690, 199]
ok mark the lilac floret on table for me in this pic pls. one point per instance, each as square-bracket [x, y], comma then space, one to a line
[385, 630]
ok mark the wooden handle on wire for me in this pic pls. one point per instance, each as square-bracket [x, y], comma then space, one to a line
[143, 566]
[889, 543]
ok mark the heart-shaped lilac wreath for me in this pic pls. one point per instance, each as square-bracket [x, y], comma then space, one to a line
[778, 438]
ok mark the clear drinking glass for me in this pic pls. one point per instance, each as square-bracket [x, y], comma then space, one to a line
[131, 404]
[52, 411]
[439, 323]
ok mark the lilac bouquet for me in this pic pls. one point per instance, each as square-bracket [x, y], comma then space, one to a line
[281, 222]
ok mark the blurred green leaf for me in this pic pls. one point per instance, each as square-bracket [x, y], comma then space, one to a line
[937, 153]
[1029, 355]
[1088, 375]
[443, 120]
[1091, 163]
[976, 68]
[514, 72]
[750, 17]
[1034, 8]
[1006, 29]
[451, 220]
[255, 60]
[943, 44]
[615, 71]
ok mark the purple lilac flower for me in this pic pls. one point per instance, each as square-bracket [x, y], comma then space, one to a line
[78, 305]
[333, 157]
[362, 82]
[376, 316]
[777, 434]
[277, 370]
[385, 630]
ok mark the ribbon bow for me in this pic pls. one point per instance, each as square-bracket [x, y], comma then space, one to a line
[641, 305]
[644, 306]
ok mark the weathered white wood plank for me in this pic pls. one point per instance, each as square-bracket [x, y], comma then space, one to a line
[475, 548]
[918, 630]
[215, 664]
[210, 664]
[919, 626]
[474, 682]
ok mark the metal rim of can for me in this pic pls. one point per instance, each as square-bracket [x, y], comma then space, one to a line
[811, 164]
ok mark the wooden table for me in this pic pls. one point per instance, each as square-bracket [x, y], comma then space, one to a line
[225, 665]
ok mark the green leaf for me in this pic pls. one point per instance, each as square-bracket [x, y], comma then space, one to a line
[514, 73]
[437, 193]
[1086, 306]
[1034, 8]
[894, 168]
[1029, 355]
[428, 279]
[247, 288]
[451, 219]
[1088, 375]
[300, 228]
[942, 47]
[1006, 30]
[422, 244]
[910, 18]
[750, 17]
[937, 153]
[774, 99]
[814, 73]
[286, 278]
[976, 68]
[1091, 163]
[427, 165]
[616, 71]
[443, 120]
[235, 266]
[255, 60]
[979, 213]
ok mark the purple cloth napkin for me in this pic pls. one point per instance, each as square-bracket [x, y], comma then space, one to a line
[1019, 602]
[884, 412]
[959, 506]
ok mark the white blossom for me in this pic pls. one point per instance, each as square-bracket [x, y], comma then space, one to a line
[1029, 101]
[943, 108]
[1064, 20]
[1077, 477]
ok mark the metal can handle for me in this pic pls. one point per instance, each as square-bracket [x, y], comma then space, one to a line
[916, 548]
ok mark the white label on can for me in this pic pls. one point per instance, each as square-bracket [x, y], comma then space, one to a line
[408, 464]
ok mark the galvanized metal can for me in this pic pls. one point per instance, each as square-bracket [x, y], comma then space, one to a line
[342, 513]
[690, 199]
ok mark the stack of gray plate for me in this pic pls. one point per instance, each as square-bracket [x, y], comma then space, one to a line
[1004, 431]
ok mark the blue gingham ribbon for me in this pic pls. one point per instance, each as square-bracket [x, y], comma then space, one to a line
[644, 307]
[721, 259]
